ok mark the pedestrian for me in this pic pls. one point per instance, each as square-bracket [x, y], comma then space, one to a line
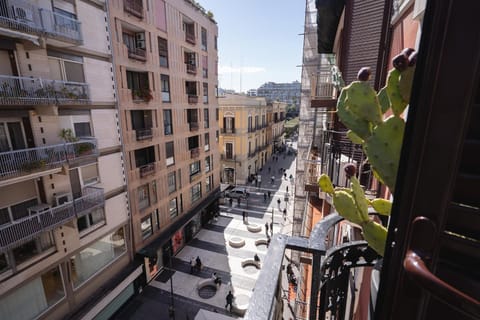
[238, 202]
[287, 189]
[268, 169]
[285, 214]
[231, 202]
[192, 264]
[266, 228]
[229, 299]
[244, 214]
[273, 179]
[278, 202]
[271, 228]
[264, 197]
[269, 194]
[256, 258]
[198, 263]
[285, 175]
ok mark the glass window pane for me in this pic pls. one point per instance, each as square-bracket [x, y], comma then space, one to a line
[74, 71]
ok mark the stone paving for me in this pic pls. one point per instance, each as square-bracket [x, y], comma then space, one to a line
[211, 244]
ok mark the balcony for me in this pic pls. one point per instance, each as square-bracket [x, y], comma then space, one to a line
[332, 261]
[324, 88]
[22, 16]
[137, 54]
[59, 26]
[191, 69]
[27, 161]
[143, 134]
[147, 169]
[227, 158]
[228, 130]
[190, 38]
[134, 7]
[194, 153]
[193, 126]
[28, 90]
[195, 176]
[192, 99]
[26, 229]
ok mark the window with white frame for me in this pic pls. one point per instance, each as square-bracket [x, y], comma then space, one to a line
[207, 141]
[169, 150]
[207, 164]
[143, 197]
[91, 221]
[209, 184]
[167, 122]
[12, 136]
[194, 167]
[165, 84]
[65, 67]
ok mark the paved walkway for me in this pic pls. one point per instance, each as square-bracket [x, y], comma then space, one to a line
[211, 244]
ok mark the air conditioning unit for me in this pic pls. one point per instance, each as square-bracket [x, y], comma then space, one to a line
[140, 40]
[23, 14]
[63, 198]
[39, 208]
[140, 36]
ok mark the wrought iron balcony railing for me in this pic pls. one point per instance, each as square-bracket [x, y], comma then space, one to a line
[194, 153]
[26, 161]
[26, 90]
[190, 37]
[193, 126]
[228, 157]
[26, 229]
[228, 130]
[330, 265]
[191, 68]
[25, 17]
[147, 170]
[192, 99]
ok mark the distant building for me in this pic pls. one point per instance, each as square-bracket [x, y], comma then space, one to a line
[252, 93]
[283, 92]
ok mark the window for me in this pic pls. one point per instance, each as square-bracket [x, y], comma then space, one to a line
[229, 150]
[91, 221]
[190, 59]
[172, 182]
[144, 156]
[165, 83]
[189, 29]
[169, 150]
[135, 44]
[204, 39]
[143, 197]
[146, 227]
[196, 192]
[163, 52]
[167, 122]
[264, 122]
[205, 93]
[257, 125]
[194, 167]
[82, 129]
[154, 191]
[207, 141]
[191, 88]
[215, 42]
[209, 184]
[65, 67]
[217, 114]
[229, 124]
[206, 118]
[11, 136]
[250, 125]
[173, 208]
[217, 134]
[97, 256]
[138, 83]
[34, 296]
[207, 164]
[90, 174]
[205, 67]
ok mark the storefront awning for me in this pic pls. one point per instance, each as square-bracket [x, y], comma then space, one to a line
[328, 16]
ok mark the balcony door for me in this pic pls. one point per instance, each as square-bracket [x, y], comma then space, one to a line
[431, 268]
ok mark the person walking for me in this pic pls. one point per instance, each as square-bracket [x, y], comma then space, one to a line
[231, 202]
[264, 197]
[192, 264]
[285, 214]
[198, 263]
[278, 202]
[244, 214]
[287, 189]
[271, 228]
[229, 299]
[246, 217]
[269, 194]
[238, 202]
[266, 228]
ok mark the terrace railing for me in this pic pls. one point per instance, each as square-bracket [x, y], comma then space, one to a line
[22, 162]
[29, 90]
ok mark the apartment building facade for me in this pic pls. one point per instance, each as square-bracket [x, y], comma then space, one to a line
[166, 69]
[63, 201]
[284, 92]
[248, 129]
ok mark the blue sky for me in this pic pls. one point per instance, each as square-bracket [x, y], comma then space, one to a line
[259, 37]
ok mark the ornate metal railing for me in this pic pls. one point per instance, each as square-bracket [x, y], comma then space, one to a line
[28, 90]
[137, 53]
[143, 134]
[147, 169]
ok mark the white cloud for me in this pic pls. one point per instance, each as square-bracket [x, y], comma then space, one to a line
[228, 70]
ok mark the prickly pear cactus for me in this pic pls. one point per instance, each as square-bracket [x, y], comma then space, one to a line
[363, 112]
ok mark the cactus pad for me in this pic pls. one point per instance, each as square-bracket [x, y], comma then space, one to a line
[382, 206]
[397, 102]
[345, 205]
[325, 184]
[362, 102]
[360, 200]
[383, 100]
[361, 128]
[383, 149]
[376, 236]
[405, 83]
[354, 138]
